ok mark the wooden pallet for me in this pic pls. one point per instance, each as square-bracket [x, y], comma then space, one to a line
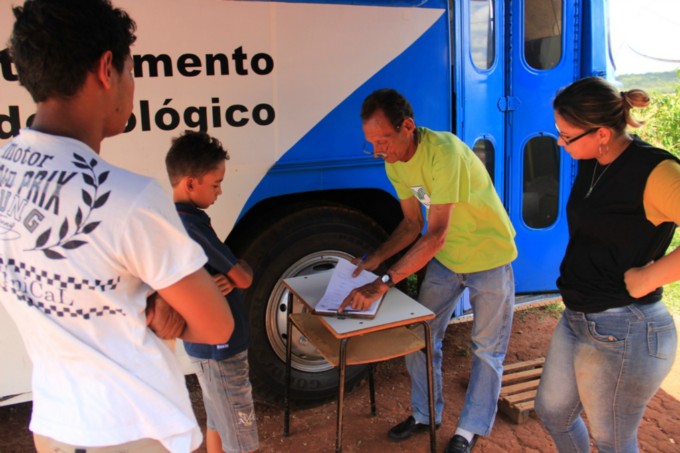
[518, 390]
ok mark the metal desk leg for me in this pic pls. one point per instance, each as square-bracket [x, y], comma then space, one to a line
[430, 387]
[289, 349]
[341, 394]
[371, 387]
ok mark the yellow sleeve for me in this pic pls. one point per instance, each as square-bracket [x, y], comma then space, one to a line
[661, 199]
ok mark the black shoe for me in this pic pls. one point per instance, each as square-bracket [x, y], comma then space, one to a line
[459, 444]
[407, 428]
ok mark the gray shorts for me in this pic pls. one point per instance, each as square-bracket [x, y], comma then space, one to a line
[228, 400]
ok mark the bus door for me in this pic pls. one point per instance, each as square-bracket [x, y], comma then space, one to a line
[539, 175]
[507, 71]
[480, 82]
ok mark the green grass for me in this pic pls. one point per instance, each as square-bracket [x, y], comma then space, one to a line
[553, 310]
[672, 291]
[672, 297]
[661, 82]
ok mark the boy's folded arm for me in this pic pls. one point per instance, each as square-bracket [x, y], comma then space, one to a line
[225, 285]
[241, 275]
[199, 301]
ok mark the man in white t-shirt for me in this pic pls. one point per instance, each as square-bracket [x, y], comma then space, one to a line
[84, 242]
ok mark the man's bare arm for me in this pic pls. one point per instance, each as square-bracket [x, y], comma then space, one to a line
[425, 248]
[406, 232]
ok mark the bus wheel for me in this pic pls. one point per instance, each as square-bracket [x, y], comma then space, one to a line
[305, 242]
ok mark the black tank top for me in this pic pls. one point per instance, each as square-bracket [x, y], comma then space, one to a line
[609, 232]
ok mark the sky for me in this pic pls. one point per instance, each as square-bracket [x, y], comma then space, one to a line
[645, 35]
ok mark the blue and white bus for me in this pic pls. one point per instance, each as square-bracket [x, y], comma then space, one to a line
[280, 83]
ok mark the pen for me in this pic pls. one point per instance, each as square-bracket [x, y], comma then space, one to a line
[346, 310]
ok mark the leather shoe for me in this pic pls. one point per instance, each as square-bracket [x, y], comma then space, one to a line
[459, 444]
[407, 428]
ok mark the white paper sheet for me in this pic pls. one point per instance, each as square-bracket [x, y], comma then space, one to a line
[340, 285]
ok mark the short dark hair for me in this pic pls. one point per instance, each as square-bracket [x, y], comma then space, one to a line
[55, 43]
[193, 154]
[395, 106]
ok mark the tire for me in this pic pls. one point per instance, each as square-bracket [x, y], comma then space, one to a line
[305, 242]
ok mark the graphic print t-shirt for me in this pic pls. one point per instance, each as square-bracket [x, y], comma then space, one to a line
[83, 242]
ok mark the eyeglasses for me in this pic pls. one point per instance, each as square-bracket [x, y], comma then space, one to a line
[569, 141]
[370, 149]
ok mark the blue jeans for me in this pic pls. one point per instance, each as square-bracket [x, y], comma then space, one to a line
[492, 296]
[608, 364]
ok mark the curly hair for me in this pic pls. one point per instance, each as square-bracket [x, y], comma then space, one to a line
[193, 154]
[54, 44]
[594, 102]
[395, 106]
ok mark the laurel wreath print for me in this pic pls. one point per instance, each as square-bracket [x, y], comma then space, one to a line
[72, 234]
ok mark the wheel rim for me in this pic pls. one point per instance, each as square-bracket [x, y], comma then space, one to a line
[304, 357]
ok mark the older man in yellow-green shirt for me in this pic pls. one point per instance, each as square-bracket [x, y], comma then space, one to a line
[469, 243]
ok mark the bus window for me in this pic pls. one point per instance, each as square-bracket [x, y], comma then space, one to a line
[540, 200]
[482, 33]
[484, 150]
[543, 33]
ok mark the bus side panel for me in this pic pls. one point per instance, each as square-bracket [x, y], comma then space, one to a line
[15, 378]
[331, 151]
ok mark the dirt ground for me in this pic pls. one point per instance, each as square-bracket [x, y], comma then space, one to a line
[313, 429]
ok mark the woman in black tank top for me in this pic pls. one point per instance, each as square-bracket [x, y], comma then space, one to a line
[616, 341]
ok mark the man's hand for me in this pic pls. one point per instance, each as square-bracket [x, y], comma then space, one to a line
[362, 298]
[223, 283]
[162, 319]
[368, 263]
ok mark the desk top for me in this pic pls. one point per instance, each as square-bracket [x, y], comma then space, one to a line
[397, 309]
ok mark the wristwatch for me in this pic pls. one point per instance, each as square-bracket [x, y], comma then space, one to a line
[387, 279]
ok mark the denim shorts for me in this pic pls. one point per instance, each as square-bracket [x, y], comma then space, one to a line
[228, 400]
